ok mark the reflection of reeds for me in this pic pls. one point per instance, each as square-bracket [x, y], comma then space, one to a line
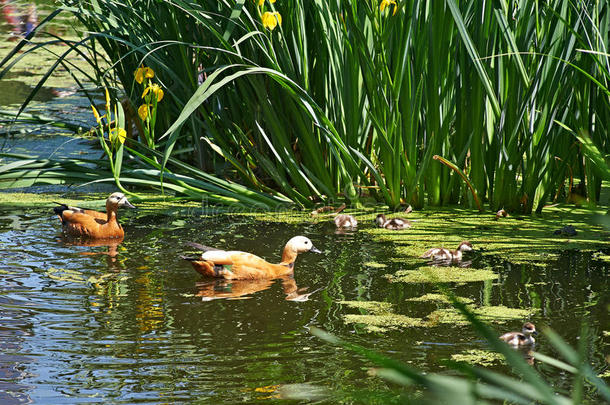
[341, 94]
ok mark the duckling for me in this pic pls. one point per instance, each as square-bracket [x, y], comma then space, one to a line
[392, 223]
[233, 265]
[345, 221]
[523, 338]
[446, 255]
[93, 224]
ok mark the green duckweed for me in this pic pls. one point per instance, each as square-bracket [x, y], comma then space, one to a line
[494, 314]
[430, 274]
[440, 298]
[479, 357]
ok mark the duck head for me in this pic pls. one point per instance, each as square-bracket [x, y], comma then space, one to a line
[301, 244]
[465, 246]
[380, 220]
[529, 329]
[117, 200]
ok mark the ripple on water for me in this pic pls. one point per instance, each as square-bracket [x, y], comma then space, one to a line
[77, 325]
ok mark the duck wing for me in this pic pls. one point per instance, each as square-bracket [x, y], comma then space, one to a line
[199, 246]
[63, 208]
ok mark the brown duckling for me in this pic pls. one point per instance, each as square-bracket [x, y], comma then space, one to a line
[392, 223]
[523, 338]
[345, 221]
[443, 254]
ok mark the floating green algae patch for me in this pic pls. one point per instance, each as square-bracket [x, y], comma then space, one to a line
[45, 200]
[440, 298]
[375, 265]
[494, 314]
[371, 306]
[601, 256]
[431, 274]
[10, 201]
[383, 322]
[380, 317]
[479, 357]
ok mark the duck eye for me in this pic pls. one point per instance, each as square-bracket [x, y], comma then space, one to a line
[307, 242]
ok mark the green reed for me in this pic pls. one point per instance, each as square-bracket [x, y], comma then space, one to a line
[342, 100]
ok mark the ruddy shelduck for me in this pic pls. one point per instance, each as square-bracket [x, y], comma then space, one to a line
[392, 223]
[234, 265]
[94, 224]
[442, 254]
[523, 338]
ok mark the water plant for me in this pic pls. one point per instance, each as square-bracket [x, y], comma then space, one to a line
[299, 102]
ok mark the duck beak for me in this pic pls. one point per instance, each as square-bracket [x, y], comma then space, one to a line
[314, 250]
[127, 204]
[535, 333]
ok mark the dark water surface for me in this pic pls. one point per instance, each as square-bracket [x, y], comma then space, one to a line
[78, 326]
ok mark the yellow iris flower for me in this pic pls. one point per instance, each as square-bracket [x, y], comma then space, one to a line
[96, 115]
[388, 3]
[154, 89]
[261, 2]
[271, 20]
[142, 73]
[118, 134]
[143, 111]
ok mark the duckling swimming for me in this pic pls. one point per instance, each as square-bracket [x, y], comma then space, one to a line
[345, 221]
[392, 223]
[94, 224]
[233, 265]
[446, 255]
[523, 338]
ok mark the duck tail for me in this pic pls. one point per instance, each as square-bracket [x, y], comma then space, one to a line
[201, 247]
[190, 258]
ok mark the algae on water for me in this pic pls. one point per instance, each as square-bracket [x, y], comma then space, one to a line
[431, 274]
[492, 314]
[440, 298]
[478, 357]
[380, 317]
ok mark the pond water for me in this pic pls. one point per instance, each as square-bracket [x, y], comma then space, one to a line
[80, 326]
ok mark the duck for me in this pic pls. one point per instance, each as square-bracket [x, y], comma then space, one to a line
[392, 223]
[94, 224]
[523, 338]
[345, 221]
[443, 254]
[236, 265]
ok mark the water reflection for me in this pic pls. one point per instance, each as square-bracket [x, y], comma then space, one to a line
[214, 289]
[15, 328]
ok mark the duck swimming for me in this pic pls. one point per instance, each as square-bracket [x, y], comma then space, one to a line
[94, 224]
[345, 221]
[523, 338]
[234, 265]
[442, 254]
[392, 223]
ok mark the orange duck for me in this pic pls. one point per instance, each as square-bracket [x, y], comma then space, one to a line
[233, 265]
[94, 224]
